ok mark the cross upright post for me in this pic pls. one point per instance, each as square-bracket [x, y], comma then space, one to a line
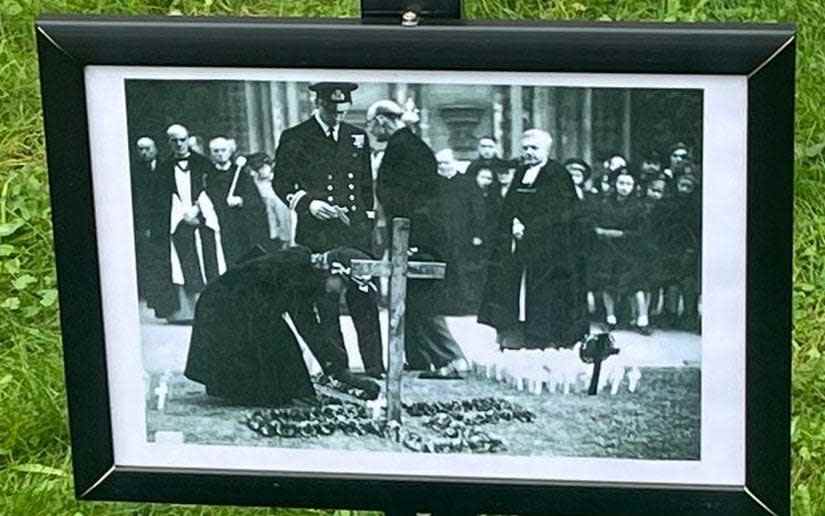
[398, 269]
[398, 307]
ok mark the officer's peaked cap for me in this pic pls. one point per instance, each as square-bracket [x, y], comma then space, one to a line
[337, 92]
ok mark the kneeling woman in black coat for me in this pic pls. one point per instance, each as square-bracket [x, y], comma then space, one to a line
[242, 347]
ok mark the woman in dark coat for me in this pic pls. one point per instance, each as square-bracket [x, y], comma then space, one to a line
[242, 348]
[535, 294]
[618, 266]
[258, 216]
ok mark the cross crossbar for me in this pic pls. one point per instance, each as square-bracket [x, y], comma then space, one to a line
[383, 269]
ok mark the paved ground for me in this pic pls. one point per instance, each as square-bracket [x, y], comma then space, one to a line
[165, 346]
[660, 420]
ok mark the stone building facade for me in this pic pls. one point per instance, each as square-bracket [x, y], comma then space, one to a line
[588, 123]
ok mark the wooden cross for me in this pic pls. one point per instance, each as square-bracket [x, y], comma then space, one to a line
[398, 269]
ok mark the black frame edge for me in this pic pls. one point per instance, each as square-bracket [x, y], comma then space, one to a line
[680, 48]
[81, 315]
[424, 496]
[770, 273]
[63, 54]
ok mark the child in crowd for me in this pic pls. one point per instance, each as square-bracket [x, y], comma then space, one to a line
[690, 280]
[654, 200]
[589, 196]
[617, 265]
[481, 205]
[650, 168]
[678, 240]
[579, 172]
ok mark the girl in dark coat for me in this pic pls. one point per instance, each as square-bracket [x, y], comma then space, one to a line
[655, 204]
[679, 241]
[618, 251]
[481, 205]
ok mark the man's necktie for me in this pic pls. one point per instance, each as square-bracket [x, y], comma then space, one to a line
[331, 134]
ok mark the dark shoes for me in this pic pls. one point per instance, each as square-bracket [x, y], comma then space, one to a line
[361, 388]
[442, 373]
[451, 371]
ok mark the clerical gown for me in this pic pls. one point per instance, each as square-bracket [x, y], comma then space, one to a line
[193, 254]
[242, 348]
[220, 183]
[536, 282]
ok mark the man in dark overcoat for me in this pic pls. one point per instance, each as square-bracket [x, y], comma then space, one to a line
[322, 170]
[535, 294]
[145, 212]
[453, 218]
[242, 347]
[408, 186]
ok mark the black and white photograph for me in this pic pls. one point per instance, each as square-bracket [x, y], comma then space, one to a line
[425, 273]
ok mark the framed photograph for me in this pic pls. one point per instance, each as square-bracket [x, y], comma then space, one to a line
[453, 268]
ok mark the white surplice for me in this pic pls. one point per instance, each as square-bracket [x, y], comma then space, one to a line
[181, 203]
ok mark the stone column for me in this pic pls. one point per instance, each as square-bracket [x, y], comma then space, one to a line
[626, 123]
[516, 121]
[587, 126]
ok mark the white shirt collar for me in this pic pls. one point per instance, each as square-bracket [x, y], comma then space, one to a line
[532, 173]
[325, 127]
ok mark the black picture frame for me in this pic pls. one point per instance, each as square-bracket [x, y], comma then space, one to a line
[762, 53]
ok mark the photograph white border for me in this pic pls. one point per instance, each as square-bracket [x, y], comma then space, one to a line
[724, 150]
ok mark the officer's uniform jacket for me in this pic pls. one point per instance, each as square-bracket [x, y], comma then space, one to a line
[311, 166]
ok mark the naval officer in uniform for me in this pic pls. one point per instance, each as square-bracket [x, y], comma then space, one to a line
[322, 169]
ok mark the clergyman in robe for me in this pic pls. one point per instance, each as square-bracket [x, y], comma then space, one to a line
[195, 253]
[535, 294]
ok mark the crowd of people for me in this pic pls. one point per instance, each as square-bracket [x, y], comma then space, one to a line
[536, 248]
[638, 225]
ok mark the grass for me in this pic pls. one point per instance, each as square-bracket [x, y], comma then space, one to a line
[34, 454]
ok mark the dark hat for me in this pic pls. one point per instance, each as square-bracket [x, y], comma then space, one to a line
[679, 146]
[336, 92]
[688, 177]
[257, 160]
[579, 164]
[621, 171]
